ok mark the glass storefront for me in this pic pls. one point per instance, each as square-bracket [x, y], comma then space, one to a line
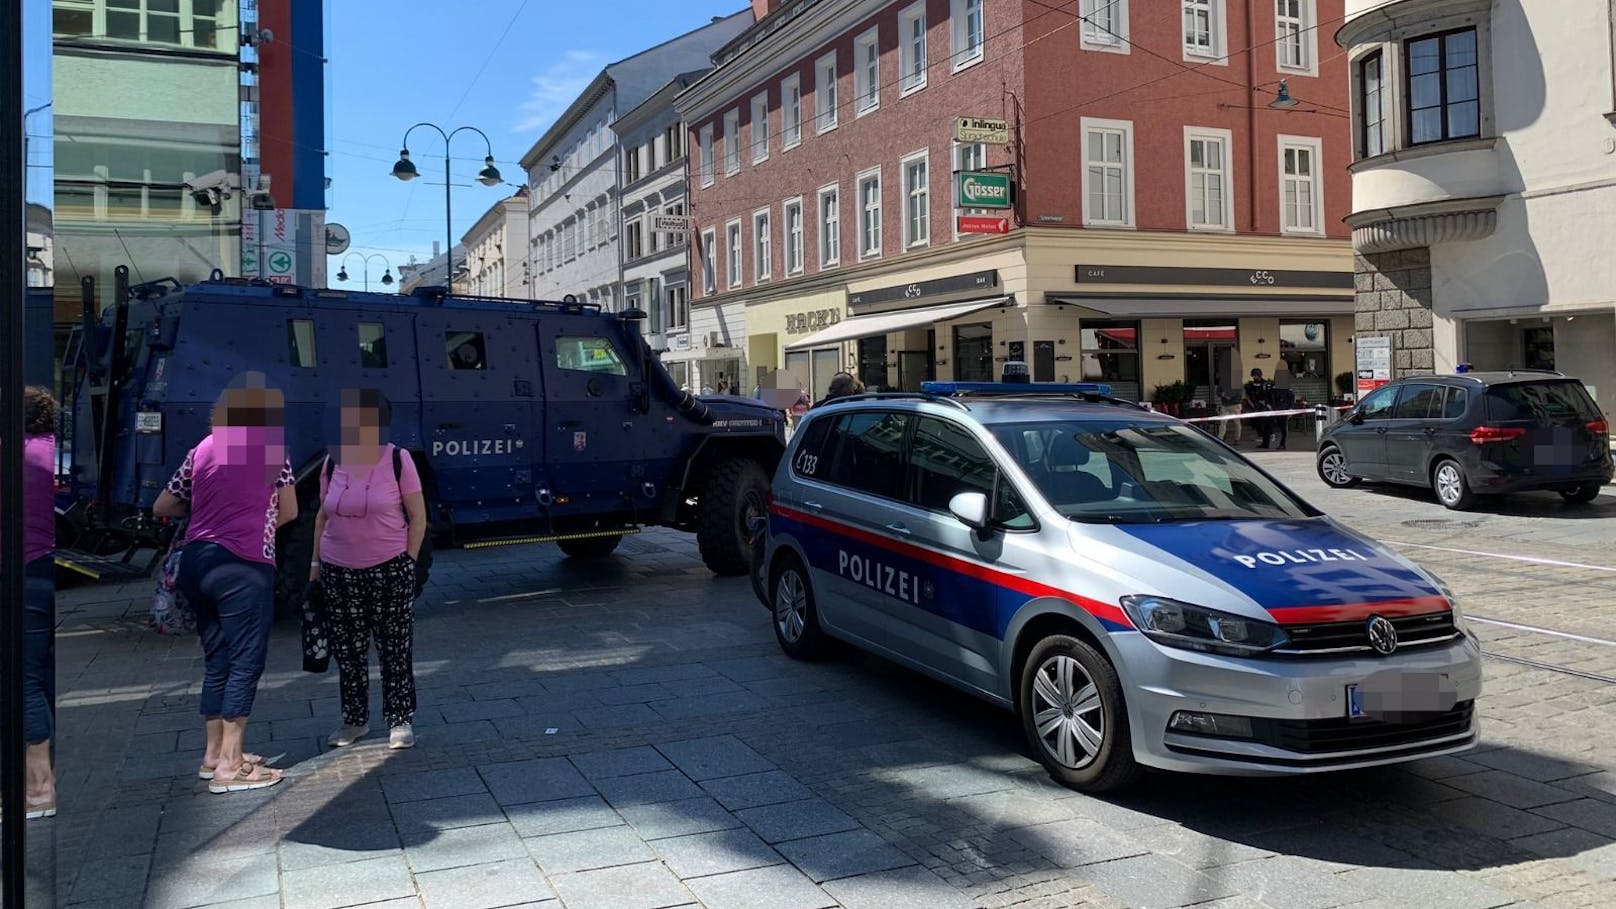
[1111, 355]
[872, 359]
[973, 352]
[1212, 360]
[1304, 350]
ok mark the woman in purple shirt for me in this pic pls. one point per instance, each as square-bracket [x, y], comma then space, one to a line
[237, 487]
[39, 598]
[367, 536]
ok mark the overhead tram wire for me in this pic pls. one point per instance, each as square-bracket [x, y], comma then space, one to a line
[488, 58]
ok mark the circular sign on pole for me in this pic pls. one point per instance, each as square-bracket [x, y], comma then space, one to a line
[280, 262]
[336, 239]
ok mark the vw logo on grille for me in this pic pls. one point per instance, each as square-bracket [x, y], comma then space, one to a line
[1382, 634]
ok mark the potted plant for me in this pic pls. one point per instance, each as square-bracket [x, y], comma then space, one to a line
[1170, 398]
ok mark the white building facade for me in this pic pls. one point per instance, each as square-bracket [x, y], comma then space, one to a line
[573, 170]
[1484, 183]
[496, 263]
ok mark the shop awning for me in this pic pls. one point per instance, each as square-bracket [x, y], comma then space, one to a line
[1197, 307]
[887, 322]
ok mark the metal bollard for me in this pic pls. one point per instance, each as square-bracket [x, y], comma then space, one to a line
[1321, 417]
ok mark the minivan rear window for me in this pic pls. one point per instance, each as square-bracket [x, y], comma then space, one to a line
[1542, 402]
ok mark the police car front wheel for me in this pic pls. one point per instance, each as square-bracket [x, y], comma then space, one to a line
[1072, 710]
[796, 621]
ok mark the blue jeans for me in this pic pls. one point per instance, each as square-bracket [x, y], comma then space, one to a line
[39, 649]
[234, 601]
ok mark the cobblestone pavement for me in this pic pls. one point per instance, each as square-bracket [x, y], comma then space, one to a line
[626, 735]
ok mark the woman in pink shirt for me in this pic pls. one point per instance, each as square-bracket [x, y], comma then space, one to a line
[367, 536]
[39, 596]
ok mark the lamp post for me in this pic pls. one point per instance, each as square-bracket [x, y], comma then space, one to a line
[387, 276]
[488, 176]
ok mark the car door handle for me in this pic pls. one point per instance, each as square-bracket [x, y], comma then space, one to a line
[813, 505]
[898, 529]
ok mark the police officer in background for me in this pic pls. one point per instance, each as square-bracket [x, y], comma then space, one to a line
[1258, 394]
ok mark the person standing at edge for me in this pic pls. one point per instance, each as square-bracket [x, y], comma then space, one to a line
[367, 538]
[237, 486]
[1256, 401]
[39, 598]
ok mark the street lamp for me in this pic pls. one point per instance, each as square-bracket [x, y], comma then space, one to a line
[488, 176]
[387, 276]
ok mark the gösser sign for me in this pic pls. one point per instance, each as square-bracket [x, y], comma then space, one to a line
[977, 189]
[981, 129]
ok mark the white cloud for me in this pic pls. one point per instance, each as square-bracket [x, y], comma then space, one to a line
[556, 87]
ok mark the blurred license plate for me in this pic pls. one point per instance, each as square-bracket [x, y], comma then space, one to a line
[1354, 702]
[1400, 697]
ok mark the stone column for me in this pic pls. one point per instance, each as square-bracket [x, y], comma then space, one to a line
[1393, 299]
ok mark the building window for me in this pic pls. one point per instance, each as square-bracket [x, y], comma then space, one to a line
[1108, 179]
[709, 262]
[965, 17]
[636, 247]
[631, 162]
[1111, 355]
[1299, 194]
[671, 150]
[1444, 101]
[867, 71]
[973, 156]
[706, 155]
[830, 226]
[1207, 178]
[917, 202]
[198, 24]
[1295, 34]
[825, 92]
[1372, 104]
[1203, 28]
[794, 231]
[677, 306]
[733, 233]
[912, 48]
[762, 245]
[760, 127]
[869, 196]
[791, 112]
[1105, 25]
[732, 143]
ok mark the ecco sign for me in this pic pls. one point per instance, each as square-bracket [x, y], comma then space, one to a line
[975, 189]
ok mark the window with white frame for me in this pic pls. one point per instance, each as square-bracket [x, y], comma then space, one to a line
[1203, 28]
[966, 32]
[1301, 201]
[631, 160]
[830, 226]
[1105, 25]
[1206, 163]
[670, 144]
[635, 242]
[912, 48]
[706, 155]
[198, 24]
[825, 92]
[794, 232]
[1372, 104]
[760, 127]
[916, 201]
[732, 143]
[762, 245]
[1296, 34]
[733, 234]
[968, 157]
[867, 70]
[1108, 175]
[791, 112]
[869, 200]
[676, 303]
[709, 261]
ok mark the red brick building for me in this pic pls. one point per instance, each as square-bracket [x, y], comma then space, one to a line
[1171, 217]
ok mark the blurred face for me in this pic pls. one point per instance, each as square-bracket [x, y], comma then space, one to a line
[249, 429]
[362, 430]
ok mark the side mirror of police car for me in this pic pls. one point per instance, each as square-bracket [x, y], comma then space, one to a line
[971, 508]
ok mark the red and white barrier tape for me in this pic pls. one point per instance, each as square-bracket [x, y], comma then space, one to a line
[1250, 416]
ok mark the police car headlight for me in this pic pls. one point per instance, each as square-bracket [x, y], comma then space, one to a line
[1453, 603]
[1190, 627]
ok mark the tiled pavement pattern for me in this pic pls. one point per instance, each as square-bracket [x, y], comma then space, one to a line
[627, 735]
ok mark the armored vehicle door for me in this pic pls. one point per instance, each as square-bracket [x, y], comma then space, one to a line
[595, 437]
[481, 399]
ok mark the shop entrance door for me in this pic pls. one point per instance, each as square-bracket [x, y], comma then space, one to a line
[1211, 362]
[915, 367]
[973, 352]
[1538, 346]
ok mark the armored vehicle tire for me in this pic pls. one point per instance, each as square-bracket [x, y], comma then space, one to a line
[590, 547]
[736, 489]
[1072, 711]
[794, 615]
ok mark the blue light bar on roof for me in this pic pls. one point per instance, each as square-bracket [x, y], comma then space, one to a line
[1023, 388]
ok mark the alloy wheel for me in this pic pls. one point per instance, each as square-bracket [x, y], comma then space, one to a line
[1449, 484]
[1067, 712]
[1334, 467]
[790, 605]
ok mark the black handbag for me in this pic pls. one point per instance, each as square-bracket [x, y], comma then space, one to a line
[316, 643]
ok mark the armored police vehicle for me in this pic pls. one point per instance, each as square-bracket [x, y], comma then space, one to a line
[529, 421]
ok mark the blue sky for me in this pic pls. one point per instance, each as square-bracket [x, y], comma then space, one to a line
[445, 62]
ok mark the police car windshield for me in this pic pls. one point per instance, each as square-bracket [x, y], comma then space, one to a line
[1115, 472]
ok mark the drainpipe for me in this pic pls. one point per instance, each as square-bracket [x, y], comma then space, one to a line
[1251, 108]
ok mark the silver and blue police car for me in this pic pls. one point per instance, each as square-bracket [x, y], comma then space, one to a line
[1137, 591]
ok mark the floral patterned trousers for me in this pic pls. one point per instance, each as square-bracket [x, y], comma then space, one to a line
[378, 602]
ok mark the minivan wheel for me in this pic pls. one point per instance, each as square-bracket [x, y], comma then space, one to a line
[1074, 717]
[1333, 469]
[796, 620]
[1451, 487]
[1582, 495]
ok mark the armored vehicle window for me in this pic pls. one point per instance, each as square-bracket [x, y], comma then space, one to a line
[372, 346]
[465, 350]
[300, 342]
[866, 453]
[589, 355]
[946, 460]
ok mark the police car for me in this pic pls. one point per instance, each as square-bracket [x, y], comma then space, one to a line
[1137, 591]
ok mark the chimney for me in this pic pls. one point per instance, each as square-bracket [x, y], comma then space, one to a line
[761, 8]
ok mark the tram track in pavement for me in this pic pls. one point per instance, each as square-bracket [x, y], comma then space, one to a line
[1540, 664]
